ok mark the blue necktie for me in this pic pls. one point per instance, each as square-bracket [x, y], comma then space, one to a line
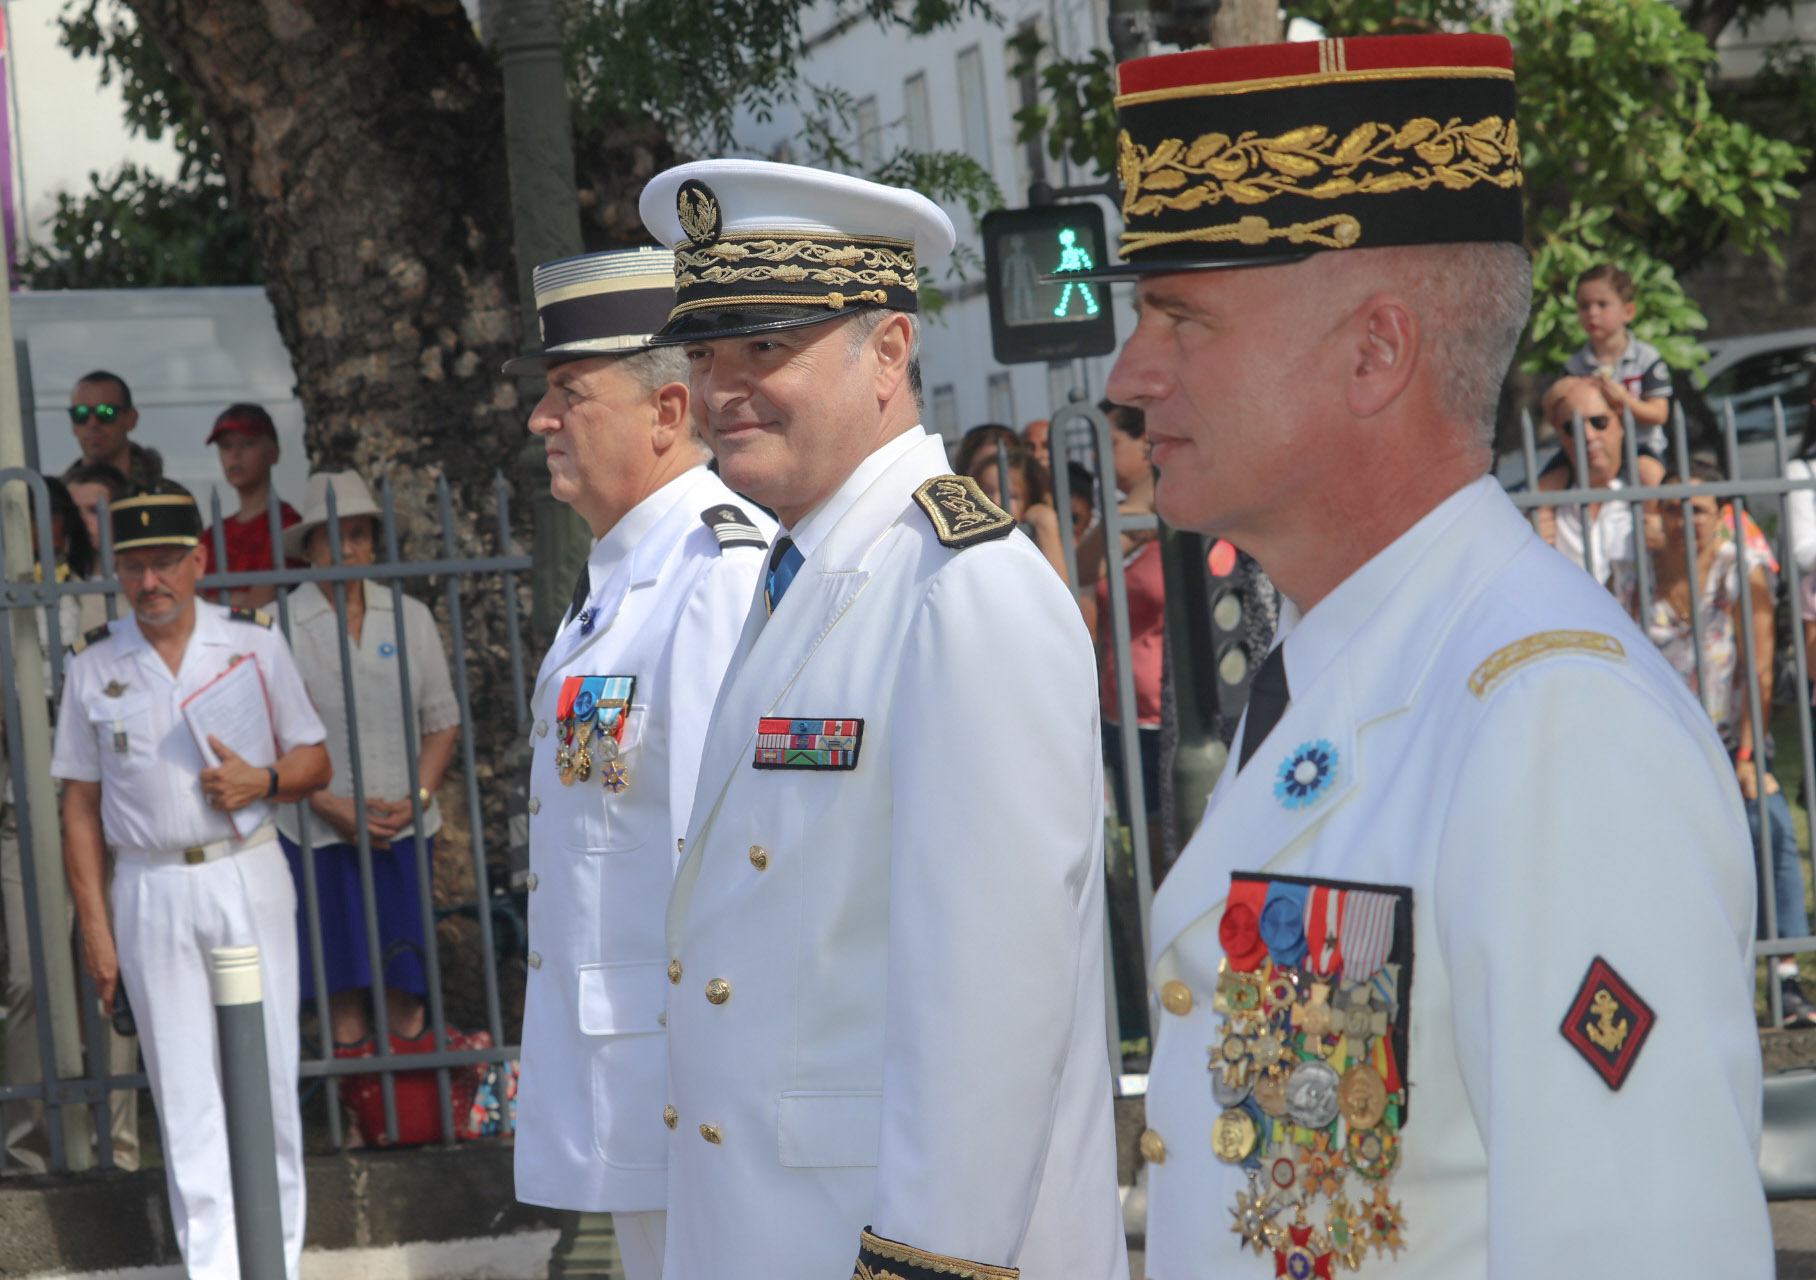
[783, 565]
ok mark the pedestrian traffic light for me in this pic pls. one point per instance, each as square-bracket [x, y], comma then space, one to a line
[1228, 625]
[1035, 318]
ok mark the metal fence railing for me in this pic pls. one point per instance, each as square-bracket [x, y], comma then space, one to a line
[74, 1093]
[1741, 497]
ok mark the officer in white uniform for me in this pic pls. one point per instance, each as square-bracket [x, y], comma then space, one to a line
[1455, 979]
[137, 784]
[886, 1035]
[621, 707]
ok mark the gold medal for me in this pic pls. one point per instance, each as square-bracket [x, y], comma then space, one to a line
[583, 763]
[1270, 1091]
[1362, 1094]
[1233, 1136]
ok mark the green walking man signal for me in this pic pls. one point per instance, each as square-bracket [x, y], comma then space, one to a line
[1035, 312]
[1074, 257]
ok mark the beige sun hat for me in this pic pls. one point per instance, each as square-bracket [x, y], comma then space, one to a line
[351, 498]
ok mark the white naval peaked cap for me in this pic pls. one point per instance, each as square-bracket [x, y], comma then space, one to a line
[760, 245]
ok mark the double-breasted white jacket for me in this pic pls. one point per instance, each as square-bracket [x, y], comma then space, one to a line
[666, 607]
[1475, 721]
[887, 999]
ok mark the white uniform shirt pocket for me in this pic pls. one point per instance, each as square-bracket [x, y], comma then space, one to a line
[628, 999]
[123, 729]
[829, 1128]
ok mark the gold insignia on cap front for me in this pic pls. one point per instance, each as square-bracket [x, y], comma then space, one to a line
[698, 209]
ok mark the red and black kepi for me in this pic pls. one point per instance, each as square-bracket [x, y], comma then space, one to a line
[1269, 153]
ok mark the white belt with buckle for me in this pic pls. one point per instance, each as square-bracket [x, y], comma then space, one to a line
[196, 854]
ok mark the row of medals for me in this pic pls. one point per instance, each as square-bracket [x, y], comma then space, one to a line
[1279, 1030]
[582, 746]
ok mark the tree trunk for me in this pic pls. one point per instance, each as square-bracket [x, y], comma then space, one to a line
[365, 144]
[1246, 22]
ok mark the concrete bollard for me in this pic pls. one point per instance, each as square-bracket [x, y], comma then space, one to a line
[239, 1012]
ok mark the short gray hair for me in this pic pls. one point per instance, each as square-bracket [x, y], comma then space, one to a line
[867, 321]
[1473, 301]
[655, 367]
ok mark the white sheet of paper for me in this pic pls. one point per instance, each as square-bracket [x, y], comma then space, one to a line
[234, 708]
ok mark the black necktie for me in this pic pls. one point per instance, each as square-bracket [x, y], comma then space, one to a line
[583, 587]
[1268, 697]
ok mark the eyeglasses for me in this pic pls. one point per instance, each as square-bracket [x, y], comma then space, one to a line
[104, 413]
[159, 565]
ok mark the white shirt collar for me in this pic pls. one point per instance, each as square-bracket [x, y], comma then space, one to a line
[1315, 639]
[624, 536]
[823, 519]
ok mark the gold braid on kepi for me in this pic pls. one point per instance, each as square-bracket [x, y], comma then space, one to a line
[762, 246]
[155, 520]
[880, 1259]
[1269, 153]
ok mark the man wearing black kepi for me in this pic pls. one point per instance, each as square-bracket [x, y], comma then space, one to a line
[886, 1026]
[1465, 937]
[621, 707]
[196, 859]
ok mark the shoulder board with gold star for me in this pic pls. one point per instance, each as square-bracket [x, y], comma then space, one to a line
[962, 516]
[257, 617]
[732, 527]
[93, 636]
[1504, 662]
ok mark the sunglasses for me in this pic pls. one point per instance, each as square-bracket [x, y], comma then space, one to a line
[79, 413]
[1599, 421]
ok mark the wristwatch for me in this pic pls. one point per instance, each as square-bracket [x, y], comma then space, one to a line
[271, 790]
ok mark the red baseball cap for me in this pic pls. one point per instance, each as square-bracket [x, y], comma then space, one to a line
[247, 419]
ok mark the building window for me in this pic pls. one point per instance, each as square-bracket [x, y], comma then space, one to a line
[1002, 399]
[974, 105]
[945, 411]
[917, 112]
[870, 135]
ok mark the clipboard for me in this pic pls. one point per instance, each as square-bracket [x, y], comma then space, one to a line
[235, 707]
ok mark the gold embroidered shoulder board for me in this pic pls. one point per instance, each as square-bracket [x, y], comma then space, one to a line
[962, 516]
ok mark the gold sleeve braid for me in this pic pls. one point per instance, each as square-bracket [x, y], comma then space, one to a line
[880, 1259]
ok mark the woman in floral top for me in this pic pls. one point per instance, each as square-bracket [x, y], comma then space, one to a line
[1724, 610]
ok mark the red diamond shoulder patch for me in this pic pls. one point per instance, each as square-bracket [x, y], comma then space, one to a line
[1608, 1023]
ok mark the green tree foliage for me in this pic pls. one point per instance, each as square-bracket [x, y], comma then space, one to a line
[135, 229]
[686, 67]
[1628, 157]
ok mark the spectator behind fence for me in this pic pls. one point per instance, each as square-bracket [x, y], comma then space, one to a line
[1724, 613]
[185, 878]
[1630, 373]
[980, 440]
[247, 440]
[88, 483]
[372, 634]
[1035, 438]
[1609, 524]
[1800, 517]
[102, 416]
[1083, 494]
[27, 1147]
[1146, 586]
[1027, 482]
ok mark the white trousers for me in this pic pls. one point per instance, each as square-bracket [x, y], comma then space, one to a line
[640, 1238]
[166, 918]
